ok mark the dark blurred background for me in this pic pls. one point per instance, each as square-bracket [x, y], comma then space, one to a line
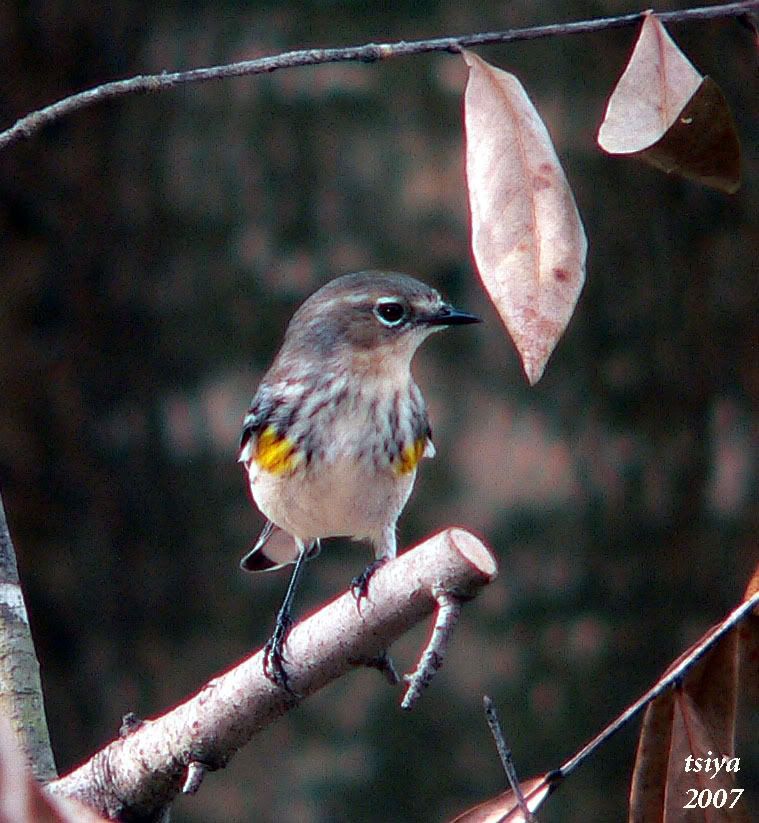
[152, 252]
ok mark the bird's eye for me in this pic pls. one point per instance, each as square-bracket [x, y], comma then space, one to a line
[390, 313]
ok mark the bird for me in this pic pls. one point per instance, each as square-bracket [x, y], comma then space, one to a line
[337, 427]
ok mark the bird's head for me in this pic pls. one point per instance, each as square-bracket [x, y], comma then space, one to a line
[372, 319]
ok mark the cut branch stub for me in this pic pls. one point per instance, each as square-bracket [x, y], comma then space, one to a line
[527, 237]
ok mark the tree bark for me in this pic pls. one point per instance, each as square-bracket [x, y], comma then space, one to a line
[20, 686]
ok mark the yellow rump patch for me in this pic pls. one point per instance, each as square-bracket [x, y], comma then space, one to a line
[410, 456]
[275, 453]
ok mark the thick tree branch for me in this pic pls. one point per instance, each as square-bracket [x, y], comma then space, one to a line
[20, 687]
[371, 52]
[138, 775]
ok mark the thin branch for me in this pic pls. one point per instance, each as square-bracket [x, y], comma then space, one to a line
[506, 806]
[138, 775]
[369, 53]
[507, 759]
[673, 676]
[448, 612]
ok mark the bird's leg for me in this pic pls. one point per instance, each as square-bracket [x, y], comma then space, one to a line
[360, 589]
[386, 549]
[274, 658]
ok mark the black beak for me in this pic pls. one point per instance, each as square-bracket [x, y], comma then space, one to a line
[448, 316]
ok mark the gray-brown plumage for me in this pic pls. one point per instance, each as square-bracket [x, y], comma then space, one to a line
[337, 427]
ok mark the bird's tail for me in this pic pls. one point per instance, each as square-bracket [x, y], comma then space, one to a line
[274, 549]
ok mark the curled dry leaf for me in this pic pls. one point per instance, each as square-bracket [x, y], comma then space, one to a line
[505, 809]
[654, 88]
[663, 112]
[702, 144]
[527, 237]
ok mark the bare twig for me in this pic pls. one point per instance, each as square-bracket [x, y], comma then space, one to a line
[449, 609]
[507, 760]
[138, 775]
[371, 52]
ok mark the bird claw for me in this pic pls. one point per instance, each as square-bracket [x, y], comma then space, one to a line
[274, 657]
[360, 583]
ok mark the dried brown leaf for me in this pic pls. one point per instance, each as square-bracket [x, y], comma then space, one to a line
[753, 588]
[684, 727]
[505, 809]
[664, 113]
[750, 20]
[748, 646]
[702, 144]
[654, 88]
[527, 237]
[697, 736]
[649, 780]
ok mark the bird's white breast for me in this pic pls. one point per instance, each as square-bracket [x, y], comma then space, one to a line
[347, 479]
[342, 497]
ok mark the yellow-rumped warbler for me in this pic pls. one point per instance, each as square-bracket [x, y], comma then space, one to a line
[337, 427]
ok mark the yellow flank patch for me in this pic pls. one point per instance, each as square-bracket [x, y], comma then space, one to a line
[275, 453]
[410, 456]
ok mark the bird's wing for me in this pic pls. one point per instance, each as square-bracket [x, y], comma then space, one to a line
[254, 421]
[274, 549]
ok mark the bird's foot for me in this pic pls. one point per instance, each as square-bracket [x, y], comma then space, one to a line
[274, 657]
[360, 583]
[385, 666]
